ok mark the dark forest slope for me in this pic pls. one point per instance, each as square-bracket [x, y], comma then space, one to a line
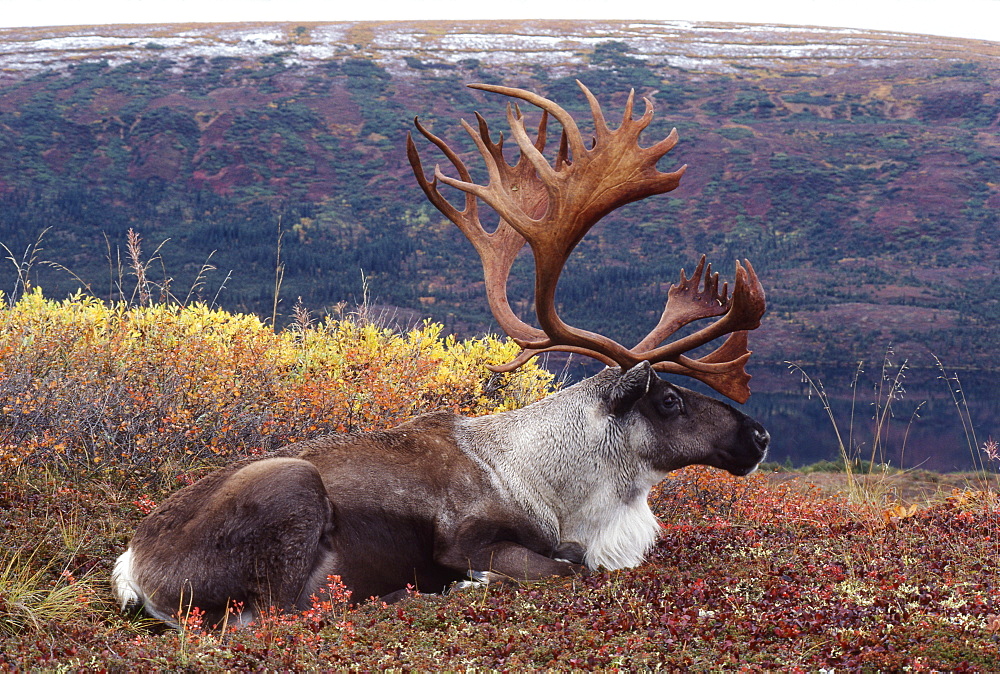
[857, 171]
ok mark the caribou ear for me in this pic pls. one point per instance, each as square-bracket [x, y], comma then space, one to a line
[629, 387]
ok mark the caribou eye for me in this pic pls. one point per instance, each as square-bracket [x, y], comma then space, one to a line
[672, 403]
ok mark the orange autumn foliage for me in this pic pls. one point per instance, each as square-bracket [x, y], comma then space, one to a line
[88, 384]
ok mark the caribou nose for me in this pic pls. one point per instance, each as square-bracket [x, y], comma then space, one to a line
[756, 437]
[761, 439]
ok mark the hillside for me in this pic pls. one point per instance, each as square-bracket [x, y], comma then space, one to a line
[856, 170]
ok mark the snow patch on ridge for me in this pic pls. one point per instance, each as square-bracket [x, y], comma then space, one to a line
[711, 47]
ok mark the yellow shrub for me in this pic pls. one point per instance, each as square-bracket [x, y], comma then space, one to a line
[83, 382]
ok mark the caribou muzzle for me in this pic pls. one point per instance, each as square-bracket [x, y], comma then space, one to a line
[754, 440]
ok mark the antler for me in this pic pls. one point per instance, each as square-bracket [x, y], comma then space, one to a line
[498, 249]
[553, 206]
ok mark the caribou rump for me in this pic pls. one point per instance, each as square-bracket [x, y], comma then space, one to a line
[555, 488]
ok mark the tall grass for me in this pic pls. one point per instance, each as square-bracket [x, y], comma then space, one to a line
[864, 459]
[983, 455]
[33, 594]
[23, 265]
[867, 486]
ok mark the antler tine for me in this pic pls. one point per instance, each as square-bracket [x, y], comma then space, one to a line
[724, 368]
[601, 129]
[540, 135]
[562, 158]
[564, 118]
[630, 104]
[497, 251]
[686, 303]
[495, 149]
[430, 187]
[742, 312]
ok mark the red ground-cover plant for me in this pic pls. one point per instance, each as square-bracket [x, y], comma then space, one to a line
[108, 410]
[730, 585]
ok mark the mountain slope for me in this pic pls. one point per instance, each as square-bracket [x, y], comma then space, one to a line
[856, 170]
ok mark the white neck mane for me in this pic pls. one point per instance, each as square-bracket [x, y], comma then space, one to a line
[569, 467]
[614, 535]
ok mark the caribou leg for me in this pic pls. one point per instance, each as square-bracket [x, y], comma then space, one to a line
[262, 539]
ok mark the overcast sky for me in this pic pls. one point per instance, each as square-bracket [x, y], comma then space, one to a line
[978, 19]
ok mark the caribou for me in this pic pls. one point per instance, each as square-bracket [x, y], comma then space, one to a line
[556, 488]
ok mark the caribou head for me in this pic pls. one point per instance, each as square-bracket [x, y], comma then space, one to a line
[554, 488]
